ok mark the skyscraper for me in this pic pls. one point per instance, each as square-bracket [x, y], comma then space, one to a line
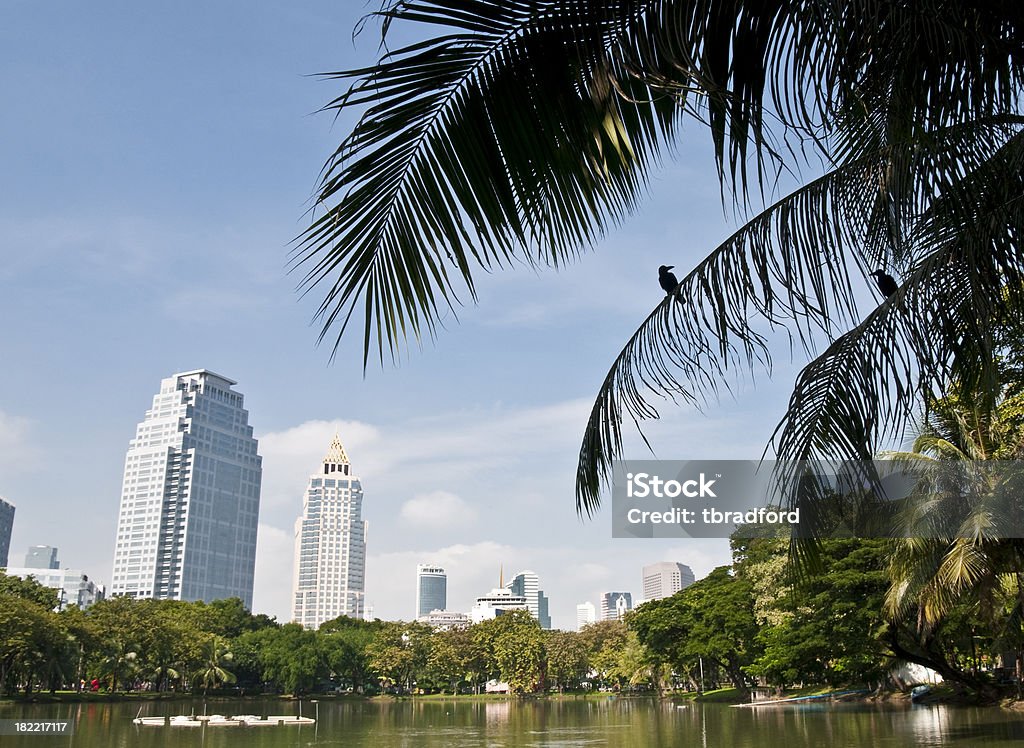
[527, 584]
[614, 605]
[330, 544]
[6, 526]
[431, 589]
[665, 579]
[190, 499]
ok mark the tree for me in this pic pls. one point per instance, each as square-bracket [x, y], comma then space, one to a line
[289, 656]
[954, 552]
[568, 660]
[522, 130]
[212, 672]
[514, 647]
[711, 619]
[605, 642]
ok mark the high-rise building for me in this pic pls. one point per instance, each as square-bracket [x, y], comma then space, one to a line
[73, 586]
[497, 602]
[586, 614]
[614, 605]
[330, 544]
[6, 526]
[190, 499]
[665, 579]
[526, 584]
[431, 589]
[42, 557]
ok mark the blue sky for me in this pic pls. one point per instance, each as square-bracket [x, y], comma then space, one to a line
[157, 162]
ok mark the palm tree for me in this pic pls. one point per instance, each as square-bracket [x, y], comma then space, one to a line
[955, 547]
[212, 671]
[119, 662]
[523, 129]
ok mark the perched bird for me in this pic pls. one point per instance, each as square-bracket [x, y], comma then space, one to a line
[668, 281]
[886, 283]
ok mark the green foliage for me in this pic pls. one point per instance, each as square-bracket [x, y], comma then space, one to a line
[28, 589]
[568, 659]
[514, 644]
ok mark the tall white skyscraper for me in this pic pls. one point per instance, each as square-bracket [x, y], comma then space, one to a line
[431, 589]
[330, 544]
[665, 579]
[190, 499]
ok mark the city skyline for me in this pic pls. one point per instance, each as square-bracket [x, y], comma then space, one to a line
[169, 250]
[190, 496]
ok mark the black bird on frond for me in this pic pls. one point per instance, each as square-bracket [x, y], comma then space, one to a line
[668, 282]
[886, 283]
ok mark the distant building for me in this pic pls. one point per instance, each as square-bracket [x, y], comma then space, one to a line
[586, 614]
[42, 557]
[73, 586]
[499, 601]
[526, 584]
[190, 497]
[445, 620]
[614, 605]
[6, 527]
[665, 579]
[330, 544]
[431, 589]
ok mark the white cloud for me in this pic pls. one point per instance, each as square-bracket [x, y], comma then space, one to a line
[438, 509]
[494, 486]
[275, 550]
[17, 450]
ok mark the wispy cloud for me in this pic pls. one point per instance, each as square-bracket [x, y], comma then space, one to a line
[438, 509]
[18, 451]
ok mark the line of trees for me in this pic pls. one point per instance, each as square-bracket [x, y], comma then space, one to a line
[753, 622]
[124, 644]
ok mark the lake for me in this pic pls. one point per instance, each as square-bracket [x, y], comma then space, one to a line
[562, 724]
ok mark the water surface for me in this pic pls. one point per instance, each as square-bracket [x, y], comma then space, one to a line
[518, 724]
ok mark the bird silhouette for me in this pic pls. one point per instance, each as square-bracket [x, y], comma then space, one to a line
[886, 283]
[668, 282]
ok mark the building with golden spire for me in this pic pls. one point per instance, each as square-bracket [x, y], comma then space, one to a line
[330, 544]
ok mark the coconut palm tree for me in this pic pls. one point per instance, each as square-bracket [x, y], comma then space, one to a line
[212, 671]
[956, 547]
[520, 130]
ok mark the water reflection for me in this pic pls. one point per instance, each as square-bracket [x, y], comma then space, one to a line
[611, 722]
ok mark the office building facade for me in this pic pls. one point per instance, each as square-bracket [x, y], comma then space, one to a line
[526, 584]
[665, 579]
[6, 528]
[431, 589]
[42, 557]
[615, 605]
[190, 496]
[73, 586]
[330, 544]
[586, 614]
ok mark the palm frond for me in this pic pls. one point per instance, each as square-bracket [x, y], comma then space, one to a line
[790, 267]
[505, 138]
